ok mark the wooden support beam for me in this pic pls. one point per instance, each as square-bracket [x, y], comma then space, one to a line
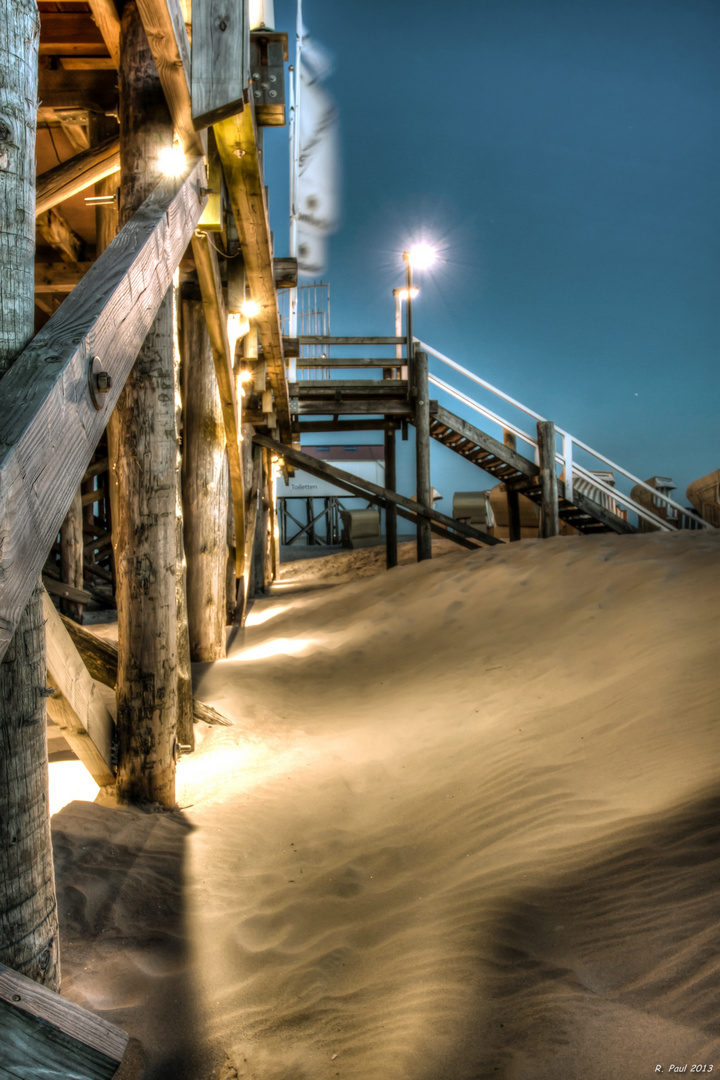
[254, 514]
[220, 60]
[69, 32]
[291, 346]
[365, 488]
[76, 174]
[379, 406]
[208, 271]
[391, 531]
[107, 19]
[94, 91]
[512, 496]
[77, 707]
[423, 489]
[237, 142]
[316, 427]
[55, 231]
[165, 28]
[549, 519]
[49, 422]
[59, 277]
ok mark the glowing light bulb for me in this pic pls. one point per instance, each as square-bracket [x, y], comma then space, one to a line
[250, 309]
[172, 160]
[420, 256]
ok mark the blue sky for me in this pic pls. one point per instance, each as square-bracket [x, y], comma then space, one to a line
[565, 157]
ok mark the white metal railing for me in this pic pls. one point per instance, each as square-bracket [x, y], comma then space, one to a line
[571, 468]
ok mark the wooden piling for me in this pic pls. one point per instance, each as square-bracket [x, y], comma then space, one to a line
[549, 518]
[29, 940]
[144, 534]
[205, 490]
[513, 498]
[72, 548]
[391, 533]
[423, 487]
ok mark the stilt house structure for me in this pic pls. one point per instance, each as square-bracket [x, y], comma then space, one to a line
[144, 414]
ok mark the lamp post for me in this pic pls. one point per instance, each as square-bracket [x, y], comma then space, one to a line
[400, 295]
[420, 256]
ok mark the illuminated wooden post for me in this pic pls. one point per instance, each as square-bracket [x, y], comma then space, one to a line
[29, 940]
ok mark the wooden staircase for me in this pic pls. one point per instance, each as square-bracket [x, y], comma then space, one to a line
[519, 473]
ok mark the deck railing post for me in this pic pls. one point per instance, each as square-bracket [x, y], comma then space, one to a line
[423, 489]
[549, 519]
[512, 497]
[391, 536]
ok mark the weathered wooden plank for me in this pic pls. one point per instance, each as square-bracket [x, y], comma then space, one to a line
[56, 231]
[366, 387]
[329, 407]
[49, 424]
[66, 591]
[76, 174]
[254, 512]
[237, 143]
[345, 362]
[106, 17]
[315, 427]
[549, 519]
[208, 271]
[220, 60]
[83, 1027]
[79, 710]
[285, 272]
[101, 659]
[165, 28]
[323, 469]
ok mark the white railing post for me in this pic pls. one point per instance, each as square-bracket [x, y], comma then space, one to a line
[568, 455]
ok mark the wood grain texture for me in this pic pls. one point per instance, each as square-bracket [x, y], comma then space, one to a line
[493, 446]
[168, 40]
[28, 908]
[220, 60]
[76, 174]
[63, 1015]
[72, 554]
[49, 425]
[205, 490]
[79, 711]
[237, 143]
[107, 19]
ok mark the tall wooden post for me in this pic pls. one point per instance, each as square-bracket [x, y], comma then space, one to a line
[513, 497]
[423, 488]
[391, 533]
[205, 490]
[549, 519]
[29, 940]
[145, 534]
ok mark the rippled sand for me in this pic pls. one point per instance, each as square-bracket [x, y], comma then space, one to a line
[466, 825]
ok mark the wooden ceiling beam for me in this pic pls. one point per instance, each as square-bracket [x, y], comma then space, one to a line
[237, 144]
[107, 19]
[68, 33]
[93, 91]
[76, 174]
[51, 411]
[165, 28]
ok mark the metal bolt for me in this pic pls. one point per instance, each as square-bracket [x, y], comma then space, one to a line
[273, 93]
[16, 997]
[103, 382]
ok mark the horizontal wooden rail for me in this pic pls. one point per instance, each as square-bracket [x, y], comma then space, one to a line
[51, 411]
[291, 345]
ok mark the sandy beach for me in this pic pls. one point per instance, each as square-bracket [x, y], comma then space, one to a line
[464, 826]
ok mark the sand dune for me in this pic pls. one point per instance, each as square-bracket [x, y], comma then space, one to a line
[465, 826]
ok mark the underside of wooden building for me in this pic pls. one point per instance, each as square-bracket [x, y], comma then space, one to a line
[149, 401]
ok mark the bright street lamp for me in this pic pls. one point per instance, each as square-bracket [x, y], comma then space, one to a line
[420, 256]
